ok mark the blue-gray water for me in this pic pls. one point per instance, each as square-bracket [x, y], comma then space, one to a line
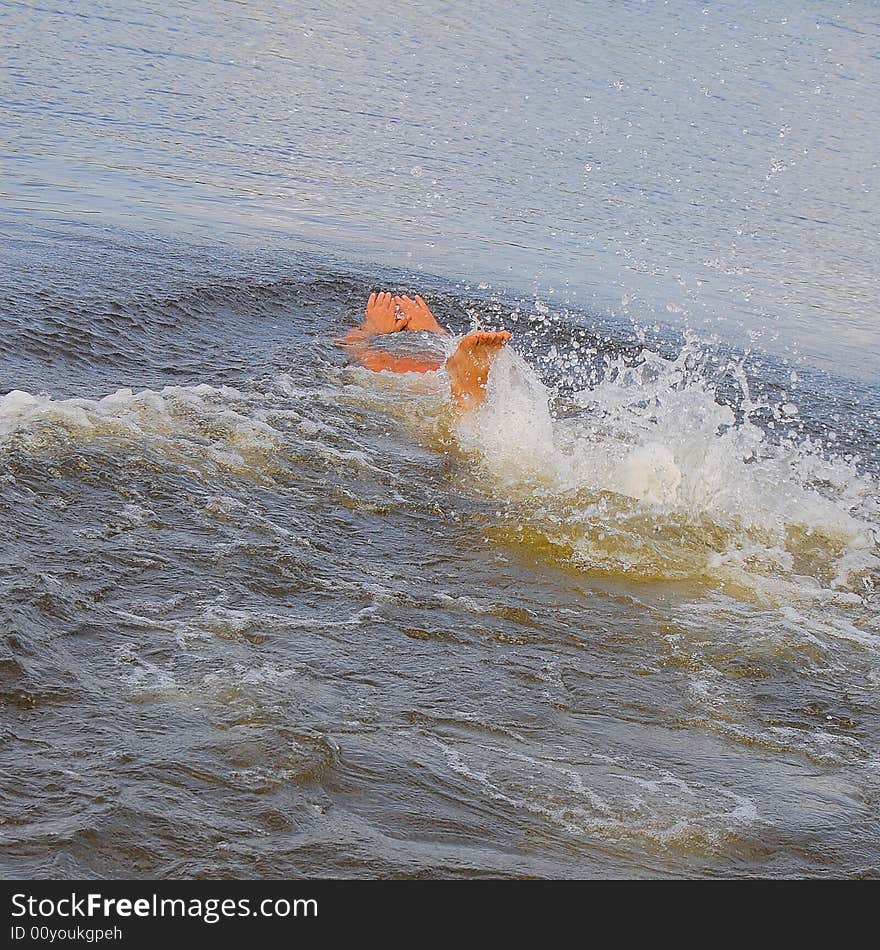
[267, 614]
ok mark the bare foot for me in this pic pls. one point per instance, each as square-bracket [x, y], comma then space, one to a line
[468, 367]
[419, 314]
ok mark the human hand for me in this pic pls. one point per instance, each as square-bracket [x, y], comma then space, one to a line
[418, 314]
[381, 313]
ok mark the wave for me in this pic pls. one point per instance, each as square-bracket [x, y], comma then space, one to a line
[617, 459]
[648, 474]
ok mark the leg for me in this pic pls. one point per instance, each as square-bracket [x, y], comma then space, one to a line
[381, 361]
[468, 367]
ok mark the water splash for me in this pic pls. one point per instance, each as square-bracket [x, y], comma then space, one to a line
[652, 473]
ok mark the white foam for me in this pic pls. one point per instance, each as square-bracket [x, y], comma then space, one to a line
[655, 476]
[201, 425]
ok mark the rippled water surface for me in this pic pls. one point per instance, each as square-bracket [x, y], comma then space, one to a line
[265, 613]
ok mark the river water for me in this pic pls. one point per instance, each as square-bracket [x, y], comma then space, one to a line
[268, 614]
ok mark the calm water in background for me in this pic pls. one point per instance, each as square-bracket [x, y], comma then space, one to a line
[267, 615]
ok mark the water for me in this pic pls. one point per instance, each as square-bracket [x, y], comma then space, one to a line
[269, 614]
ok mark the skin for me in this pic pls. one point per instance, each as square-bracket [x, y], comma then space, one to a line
[381, 315]
[418, 314]
[468, 367]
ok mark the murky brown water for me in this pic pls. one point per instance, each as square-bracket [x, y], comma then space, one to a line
[266, 614]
